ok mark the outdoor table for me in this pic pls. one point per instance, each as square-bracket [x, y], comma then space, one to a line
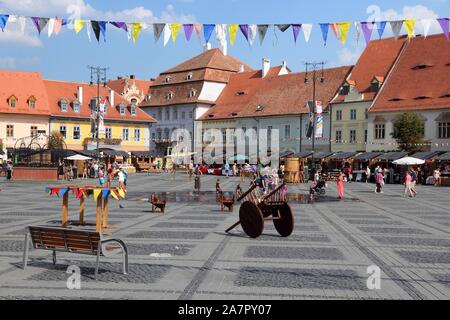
[100, 194]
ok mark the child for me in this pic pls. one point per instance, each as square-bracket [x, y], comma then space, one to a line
[284, 192]
[101, 176]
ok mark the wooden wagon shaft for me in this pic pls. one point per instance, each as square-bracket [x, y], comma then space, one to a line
[233, 226]
[245, 194]
[273, 193]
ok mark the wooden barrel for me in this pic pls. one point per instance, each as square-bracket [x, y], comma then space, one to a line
[291, 170]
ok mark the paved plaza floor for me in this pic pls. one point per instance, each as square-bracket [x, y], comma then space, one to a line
[185, 254]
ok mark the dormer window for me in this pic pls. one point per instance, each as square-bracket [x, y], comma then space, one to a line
[189, 76]
[345, 89]
[192, 93]
[133, 110]
[234, 114]
[12, 101]
[76, 106]
[167, 80]
[64, 105]
[240, 93]
[169, 95]
[259, 108]
[32, 102]
[148, 97]
[122, 108]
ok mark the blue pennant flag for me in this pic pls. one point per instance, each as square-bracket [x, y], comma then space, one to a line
[3, 20]
[380, 27]
[325, 27]
[105, 193]
[208, 30]
[63, 191]
[102, 25]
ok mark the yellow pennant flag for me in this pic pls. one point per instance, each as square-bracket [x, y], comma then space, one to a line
[97, 192]
[175, 30]
[409, 25]
[78, 25]
[344, 27]
[136, 30]
[121, 192]
[114, 195]
[233, 28]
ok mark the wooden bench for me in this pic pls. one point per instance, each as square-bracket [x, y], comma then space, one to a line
[74, 241]
[157, 203]
[226, 202]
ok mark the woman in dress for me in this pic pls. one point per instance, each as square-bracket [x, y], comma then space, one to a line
[340, 185]
[437, 177]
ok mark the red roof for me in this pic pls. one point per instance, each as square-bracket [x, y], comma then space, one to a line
[23, 86]
[58, 90]
[120, 84]
[277, 95]
[421, 78]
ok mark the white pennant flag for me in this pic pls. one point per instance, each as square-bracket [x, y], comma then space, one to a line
[426, 23]
[22, 21]
[51, 26]
[252, 31]
[88, 29]
[130, 30]
[358, 32]
[307, 28]
[167, 34]
[221, 36]
[12, 18]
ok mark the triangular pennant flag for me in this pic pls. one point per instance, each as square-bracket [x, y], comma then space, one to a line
[51, 27]
[175, 29]
[221, 37]
[3, 20]
[96, 28]
[307, 28]
[22, 22]
[245, 30]
[252, 31]
[63, 191]
[262, 31]
[367, 28]
[136, 30]
[283, 27]
[381, 25]
[121, 192]
[88, 31]
[157, 30]
[426, 24]
[188, 28]
[232, 29]
[102, 25]
[39, 23]
[130, 30]
[344, 27]
[444, 23]
[57, 26]
[357, 32]
[105, 193]
[207, 31]
[409, 25]
[65, 22]
[54, 191]
[396, 27]
[120, 25]
[114, 194]
[198, 30]
[324, 27]
[296, 30]
[78, 25]
[97, 192]
[167, 34]
[335, 28]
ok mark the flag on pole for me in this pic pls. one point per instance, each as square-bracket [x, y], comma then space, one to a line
[319, 120]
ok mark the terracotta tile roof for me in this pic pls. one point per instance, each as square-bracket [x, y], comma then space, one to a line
[119, 85]
[58, 90]
[23, 85]
[278, 95]
[421, 78]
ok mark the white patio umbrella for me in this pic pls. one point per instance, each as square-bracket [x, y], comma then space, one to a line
[78, 157]
[409, 161]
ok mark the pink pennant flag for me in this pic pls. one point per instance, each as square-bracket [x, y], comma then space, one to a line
[335, 28]
[58, 26]
[198, 30]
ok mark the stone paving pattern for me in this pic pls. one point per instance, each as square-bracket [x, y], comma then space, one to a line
[185, 253]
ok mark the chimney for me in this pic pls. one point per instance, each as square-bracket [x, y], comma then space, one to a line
[241, 68]
[111, 97]
[119, 78]
[266, 67]
[132, 76]
[80, 94]
[284, 63]
[207, 46]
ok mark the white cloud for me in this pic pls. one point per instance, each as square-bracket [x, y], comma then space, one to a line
[13, 63]
[347, 56]
[12, 36]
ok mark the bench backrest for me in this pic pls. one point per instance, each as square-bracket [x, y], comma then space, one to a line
[60, 239]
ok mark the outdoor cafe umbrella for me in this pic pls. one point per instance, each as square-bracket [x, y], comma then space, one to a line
[409, 161]
[78, 157]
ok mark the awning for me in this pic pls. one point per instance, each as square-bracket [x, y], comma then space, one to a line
[444, 157]
[78, 157]
[88, 153]
[392, 156]
[321, 155]
[115, 153]
[368, 156]
[302, 155]
[143, 154]
[343, 155]
[426, 155]
[286, 154]
[63, 153]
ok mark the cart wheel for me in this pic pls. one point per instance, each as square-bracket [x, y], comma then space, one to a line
[285, 225]
[251, 218]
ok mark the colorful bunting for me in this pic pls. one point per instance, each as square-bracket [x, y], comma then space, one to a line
[221, 37]
[207, 31]
[232, 29]
[198, 30]
[136, 30]
[63, 191]
[426, 24]
[188, 28]
[344, 27]
[283, 27]
[357, 32]
[167, 33]
[120, 25]
[307, 29]
[57, 26]
[253, 30]
[244, 29]
[121, 192]
[380, 27]
[396, 27]
[335, 28]
[3, 20]
[324, 27]
[78, 25]
[367, 28]
[296, 30]
[97, 192]
[51, 27]
[96, 27]
[105, 193]
[175, 29]
[22, 22]
[262, 31]
[444, 23]
[158, 30]
[88, 31]
[115, 194]
[39, 23]
[409, 25]
[102, 25]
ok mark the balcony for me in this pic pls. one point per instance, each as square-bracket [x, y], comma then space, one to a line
[103, 141]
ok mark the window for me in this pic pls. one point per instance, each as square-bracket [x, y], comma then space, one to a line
[10, 131]
[125, 134]
[175, 114]
[76, 106]
[167, 133]
[338, 115]
[76, 133]
[167, 114]
[63, 131]
[352, 136]
[183, 115]
[189, 76]
[269, 133]
[365, 136]
[169, 95]
[32, 102]
[122, 109]
[191, 114]
[153, 136]
[192, 93]
[108, 133]
[137, 135]
[366, 113]
[64, 105]
[33, 131]
[133, 110]
[380, 131]
[287, 131]
[444, 130]
[160, 115]
[167, 80]
[338, 136]
[159, 134]
[12, 101]
[353, 114]
[134, 102]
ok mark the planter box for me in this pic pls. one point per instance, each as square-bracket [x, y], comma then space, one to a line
[34, 174]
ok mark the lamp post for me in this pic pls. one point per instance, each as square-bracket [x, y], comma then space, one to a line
[100, 75]
[314, 67]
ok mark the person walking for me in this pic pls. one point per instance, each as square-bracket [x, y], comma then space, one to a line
[340, 185]
[101, 176]
[368, 173]
[437, 177]
[414, 178]
[407, 183]
[379, 180]
[9, 171]
[197, 173]
[122, 185]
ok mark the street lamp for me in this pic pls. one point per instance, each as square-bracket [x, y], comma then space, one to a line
[100, 75]
[314, 67]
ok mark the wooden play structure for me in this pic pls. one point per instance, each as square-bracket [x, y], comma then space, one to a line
[257, 209]
[226, 202]
[157, 203]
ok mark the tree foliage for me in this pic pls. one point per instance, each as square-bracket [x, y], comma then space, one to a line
[409, 132]
[56, 141]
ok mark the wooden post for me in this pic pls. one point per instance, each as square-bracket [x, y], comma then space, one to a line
[65, 209]
[81, 210]
[105, 213]
[98, 224]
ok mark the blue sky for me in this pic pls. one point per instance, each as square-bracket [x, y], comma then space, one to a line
[67, 55]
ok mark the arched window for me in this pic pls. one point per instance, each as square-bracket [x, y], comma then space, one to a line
[32, 102]
[167, 80]
[170, 95]
[12, 101]
[189, 76]
[192, 93]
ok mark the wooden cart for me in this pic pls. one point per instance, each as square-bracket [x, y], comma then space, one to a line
[256, 209]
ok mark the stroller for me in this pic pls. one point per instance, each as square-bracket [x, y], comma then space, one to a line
[318, 187]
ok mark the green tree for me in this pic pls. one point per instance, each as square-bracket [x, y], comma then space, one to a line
[56, 141]
[409, 132]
